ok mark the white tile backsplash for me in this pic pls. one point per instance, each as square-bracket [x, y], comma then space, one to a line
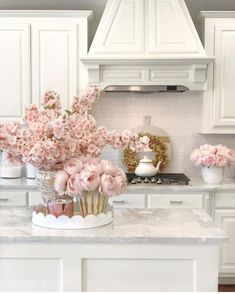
[178, 114]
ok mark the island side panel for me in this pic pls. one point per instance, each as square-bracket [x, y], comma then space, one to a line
[108, 267]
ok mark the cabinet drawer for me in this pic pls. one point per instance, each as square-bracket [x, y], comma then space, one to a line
[34, 198]
[175, 200]
[9, 198]
[223, 200]
[128, 201]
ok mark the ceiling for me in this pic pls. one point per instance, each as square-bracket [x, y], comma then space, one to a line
[97, 6]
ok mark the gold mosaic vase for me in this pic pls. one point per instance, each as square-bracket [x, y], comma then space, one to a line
[45, 181]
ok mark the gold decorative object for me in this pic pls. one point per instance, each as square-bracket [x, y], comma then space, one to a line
[156, 144]
[45, 181]
[92, 203]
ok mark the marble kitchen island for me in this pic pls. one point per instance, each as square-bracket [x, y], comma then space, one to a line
[142, 250]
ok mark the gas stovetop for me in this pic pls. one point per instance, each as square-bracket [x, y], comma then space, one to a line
[159, 179]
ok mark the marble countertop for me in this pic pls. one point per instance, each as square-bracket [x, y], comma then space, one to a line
[188, 226]
[195, 185]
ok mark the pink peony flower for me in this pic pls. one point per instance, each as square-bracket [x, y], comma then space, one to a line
[60, 183]
[73, 166]
[209, 160]
[73, 185]
[94, 165]
[121, 184]
[109, 168]
[89, 180]
[221, 160]
[108, 185]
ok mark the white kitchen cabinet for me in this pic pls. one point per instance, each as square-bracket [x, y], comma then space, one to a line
[179, 200]
[128, 201]
[34, 198]
[55, 60]
[14, 69]
[219, 99]
[40, 51]
[13, 198]
[225, 218]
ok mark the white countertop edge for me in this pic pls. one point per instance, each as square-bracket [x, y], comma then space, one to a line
[115, 240]
[195, 185]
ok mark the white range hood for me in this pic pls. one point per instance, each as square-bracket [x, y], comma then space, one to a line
[147, 44]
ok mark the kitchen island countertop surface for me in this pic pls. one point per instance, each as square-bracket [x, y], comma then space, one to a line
[129, 226]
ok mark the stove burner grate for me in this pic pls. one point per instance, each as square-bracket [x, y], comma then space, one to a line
[160, 178]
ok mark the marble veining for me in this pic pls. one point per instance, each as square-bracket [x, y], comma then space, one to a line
[129, 226]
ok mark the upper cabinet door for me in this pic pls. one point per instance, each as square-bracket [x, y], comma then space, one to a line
[170, 28]
[121, 29]
[218, 109]
[55, 60]
[14, 70]
[224, 75]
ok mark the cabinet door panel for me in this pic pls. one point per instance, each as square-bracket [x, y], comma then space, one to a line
[14, 70]
[225, 218]
[225, 200]
[54, 60]
[35, 198]
[175, 200]
[169, 30]
[37, 274]
[224, 97]
[128, 201]
[10, 198]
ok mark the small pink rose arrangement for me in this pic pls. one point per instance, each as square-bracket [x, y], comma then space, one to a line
[210, 156]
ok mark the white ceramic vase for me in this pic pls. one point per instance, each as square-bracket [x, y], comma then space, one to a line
[8, 169]
[213, 174]
[31, 171]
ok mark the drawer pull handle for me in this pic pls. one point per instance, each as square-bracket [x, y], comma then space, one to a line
[4, 199]
[176, 202]
[118, 201]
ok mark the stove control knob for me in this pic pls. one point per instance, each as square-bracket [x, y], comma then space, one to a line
[134, 181]
[159, 181]
[153, 180]
[146, 180]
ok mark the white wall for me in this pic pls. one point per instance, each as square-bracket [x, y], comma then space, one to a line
[176, 113]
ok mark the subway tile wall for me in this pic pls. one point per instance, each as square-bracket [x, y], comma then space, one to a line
[178, 114]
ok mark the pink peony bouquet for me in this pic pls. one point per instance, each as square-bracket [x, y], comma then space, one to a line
[90, 182]
[49, 138]
[209, 155]
[82, 175]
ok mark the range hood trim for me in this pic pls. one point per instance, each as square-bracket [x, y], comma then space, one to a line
[147, 61]
[189, 73]
[145, 89]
